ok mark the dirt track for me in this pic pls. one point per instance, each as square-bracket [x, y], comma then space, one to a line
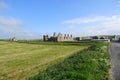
[115, 60]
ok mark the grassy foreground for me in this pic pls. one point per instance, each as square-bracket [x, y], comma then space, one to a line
[19, 61]
[89, 64]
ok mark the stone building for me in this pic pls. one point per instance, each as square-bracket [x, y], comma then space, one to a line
[58, 38]
[13, 39]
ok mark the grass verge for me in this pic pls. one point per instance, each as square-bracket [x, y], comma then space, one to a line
[89, 64]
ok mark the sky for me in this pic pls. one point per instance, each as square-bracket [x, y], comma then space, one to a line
[31, 19]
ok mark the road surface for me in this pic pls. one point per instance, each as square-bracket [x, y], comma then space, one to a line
[115, 60]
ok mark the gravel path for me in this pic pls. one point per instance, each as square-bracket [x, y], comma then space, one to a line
[115, 60]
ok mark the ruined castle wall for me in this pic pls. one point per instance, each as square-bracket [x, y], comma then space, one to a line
[58, 38]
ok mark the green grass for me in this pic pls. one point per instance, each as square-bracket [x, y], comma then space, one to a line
[20, 60]
[56, 43]
[89, 64]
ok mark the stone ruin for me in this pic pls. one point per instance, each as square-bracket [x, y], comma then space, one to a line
[58, 38]
[13, 39]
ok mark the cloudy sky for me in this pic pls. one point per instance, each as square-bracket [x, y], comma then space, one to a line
[30, 19]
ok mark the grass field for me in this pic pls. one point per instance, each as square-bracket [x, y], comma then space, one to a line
[19, 61]
[92, 63]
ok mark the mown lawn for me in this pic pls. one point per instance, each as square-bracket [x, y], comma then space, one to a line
[19, 61]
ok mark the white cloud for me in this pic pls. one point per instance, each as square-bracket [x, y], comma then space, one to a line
[10, 27]
[9, 21]
[9, 24]
[101, 25]
[3, 5]
[90, 19]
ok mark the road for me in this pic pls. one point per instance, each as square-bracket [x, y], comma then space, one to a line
[115, 60]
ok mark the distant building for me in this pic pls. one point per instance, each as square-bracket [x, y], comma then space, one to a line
[116, 38]
[58, 38]
[97, 38]
[13, 39]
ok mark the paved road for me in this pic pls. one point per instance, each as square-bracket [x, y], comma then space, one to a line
[115, 60]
